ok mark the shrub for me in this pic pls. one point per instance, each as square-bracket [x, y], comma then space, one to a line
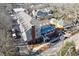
[66, 47]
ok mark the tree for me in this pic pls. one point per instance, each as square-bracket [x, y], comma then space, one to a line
[6, 43]
[68, 49]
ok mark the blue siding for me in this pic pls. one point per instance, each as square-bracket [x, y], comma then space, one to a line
[29, 34]
[46, 28]
[40, 13]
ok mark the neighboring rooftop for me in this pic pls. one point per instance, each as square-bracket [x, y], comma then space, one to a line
[18, 9]
[42, 14]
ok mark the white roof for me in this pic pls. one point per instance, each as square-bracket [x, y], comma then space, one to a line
[18, 9]
[24, 19]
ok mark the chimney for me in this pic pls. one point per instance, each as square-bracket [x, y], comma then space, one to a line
[33, 32]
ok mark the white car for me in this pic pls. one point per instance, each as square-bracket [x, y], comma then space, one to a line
[14, 35]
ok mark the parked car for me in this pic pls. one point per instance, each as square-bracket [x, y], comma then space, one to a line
[15, 34]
